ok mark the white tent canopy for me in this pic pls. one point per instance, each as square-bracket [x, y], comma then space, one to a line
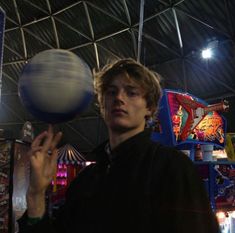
[69, 155]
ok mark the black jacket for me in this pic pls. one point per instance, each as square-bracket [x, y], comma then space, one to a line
[145, 188]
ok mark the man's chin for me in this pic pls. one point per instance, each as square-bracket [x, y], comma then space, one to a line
[119, 128]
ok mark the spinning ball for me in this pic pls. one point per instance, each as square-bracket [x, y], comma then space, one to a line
[55, 86]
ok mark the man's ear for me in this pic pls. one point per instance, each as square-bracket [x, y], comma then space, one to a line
[149, 113]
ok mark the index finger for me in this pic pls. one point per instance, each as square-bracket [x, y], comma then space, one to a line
[37, 141]
[49, 137]
[56, 140]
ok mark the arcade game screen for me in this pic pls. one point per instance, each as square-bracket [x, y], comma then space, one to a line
[187, 119]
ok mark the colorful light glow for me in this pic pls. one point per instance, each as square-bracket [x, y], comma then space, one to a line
[220, 215]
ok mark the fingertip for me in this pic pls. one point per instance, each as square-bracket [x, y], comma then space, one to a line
[59, 134]
[55, 153]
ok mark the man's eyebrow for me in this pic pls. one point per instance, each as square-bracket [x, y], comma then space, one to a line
[129, 86]
[111, 86]
[132, 86]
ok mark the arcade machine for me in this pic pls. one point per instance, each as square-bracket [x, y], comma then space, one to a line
[186, 121]
[14, 179]
[191, 125]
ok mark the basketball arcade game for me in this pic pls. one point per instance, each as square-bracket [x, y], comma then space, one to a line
[185, 121]
[189, 123]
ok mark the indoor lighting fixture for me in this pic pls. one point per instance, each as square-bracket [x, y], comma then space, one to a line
[210, 49]
[206, 53]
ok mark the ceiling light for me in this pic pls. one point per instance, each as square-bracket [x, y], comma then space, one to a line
[206, 53]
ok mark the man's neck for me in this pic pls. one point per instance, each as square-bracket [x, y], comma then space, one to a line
[116, 138]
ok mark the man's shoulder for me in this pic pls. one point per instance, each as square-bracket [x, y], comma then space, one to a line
[163, 149]
[168, 154]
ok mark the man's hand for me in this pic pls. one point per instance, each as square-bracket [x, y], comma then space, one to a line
[43, 163]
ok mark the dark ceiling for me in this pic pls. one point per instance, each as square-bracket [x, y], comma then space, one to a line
[168, 37]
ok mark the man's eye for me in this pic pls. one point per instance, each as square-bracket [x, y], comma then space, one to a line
[133, 93]
[111, 92]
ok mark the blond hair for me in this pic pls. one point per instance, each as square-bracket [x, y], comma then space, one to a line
[147, 79]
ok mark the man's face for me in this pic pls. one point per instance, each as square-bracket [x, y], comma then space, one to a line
[124, 105]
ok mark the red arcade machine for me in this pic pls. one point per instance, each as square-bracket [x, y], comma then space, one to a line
[186, 121]
[191, 125]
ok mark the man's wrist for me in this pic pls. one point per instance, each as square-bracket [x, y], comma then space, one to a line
[31, 192]
[35, 205]
[31, 221]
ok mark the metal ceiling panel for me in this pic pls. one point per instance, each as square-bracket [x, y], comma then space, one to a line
[120, 45]
[40, 31]
[214, 14]
[11, 56]
[86, 52]
[62, 5]
[75, 19]
[37, 9]
[104, 24]
[10, 41]
[9, 8]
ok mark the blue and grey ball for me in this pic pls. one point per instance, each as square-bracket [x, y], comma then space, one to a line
[55, 86]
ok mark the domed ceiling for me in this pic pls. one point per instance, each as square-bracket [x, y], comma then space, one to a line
[165, 35]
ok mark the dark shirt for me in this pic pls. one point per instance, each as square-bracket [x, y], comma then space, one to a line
[146, 188]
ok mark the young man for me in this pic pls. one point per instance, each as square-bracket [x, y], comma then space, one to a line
[136, 185]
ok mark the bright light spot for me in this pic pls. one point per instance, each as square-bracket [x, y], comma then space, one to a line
[206, 53]
[87, 163]
[220, 215]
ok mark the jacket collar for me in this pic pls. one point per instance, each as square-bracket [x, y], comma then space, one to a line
[132, 145]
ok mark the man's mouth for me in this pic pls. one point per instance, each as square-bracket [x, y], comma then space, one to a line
[118, 111]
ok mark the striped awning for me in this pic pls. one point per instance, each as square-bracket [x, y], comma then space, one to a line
[69, 155]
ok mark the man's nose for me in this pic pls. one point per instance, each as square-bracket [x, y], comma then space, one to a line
[120, 95]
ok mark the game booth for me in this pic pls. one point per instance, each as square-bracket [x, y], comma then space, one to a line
[70, 163]
[199, 130]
